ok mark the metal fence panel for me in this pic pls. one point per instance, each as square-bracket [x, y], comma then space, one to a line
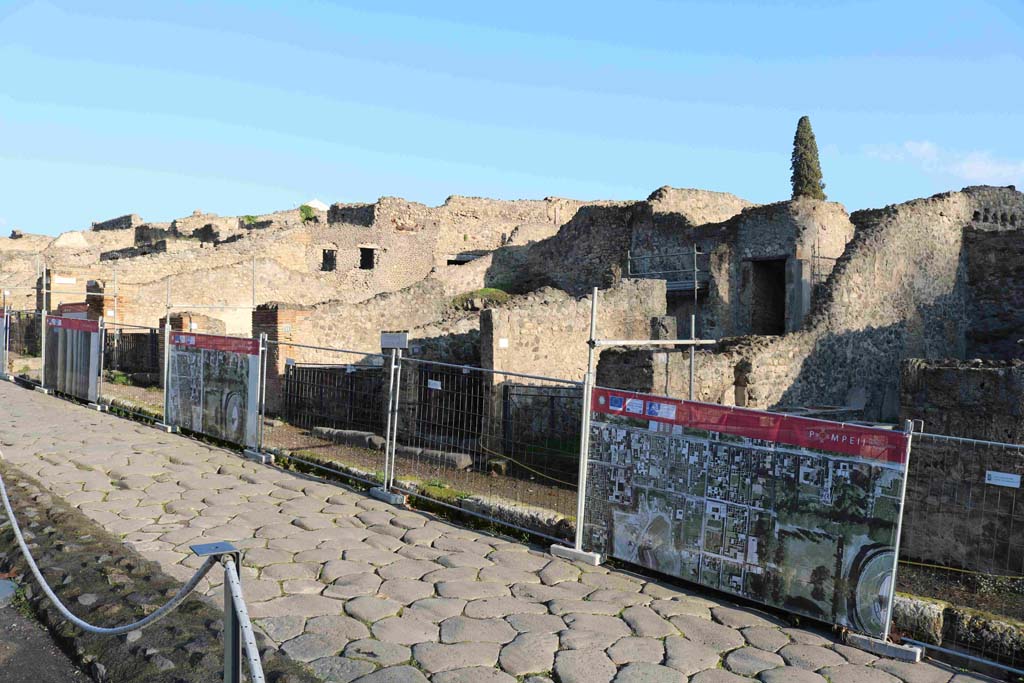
[132, 379]
[499, 446]
[963, 545]
[24, 345]
[72, 364]
[326, 407]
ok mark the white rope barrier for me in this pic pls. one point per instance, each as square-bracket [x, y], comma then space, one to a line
[80, 623]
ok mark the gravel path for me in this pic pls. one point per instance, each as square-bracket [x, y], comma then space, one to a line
[363, 591]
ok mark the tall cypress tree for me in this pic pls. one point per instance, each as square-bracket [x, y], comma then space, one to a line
[805, 165]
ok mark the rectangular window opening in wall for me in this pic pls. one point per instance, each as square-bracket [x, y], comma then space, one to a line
[330, 260]
[768, 297]
[367, 258]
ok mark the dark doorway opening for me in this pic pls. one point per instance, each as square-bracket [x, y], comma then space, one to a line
[367, 258]
[330, 260]
[768, 298]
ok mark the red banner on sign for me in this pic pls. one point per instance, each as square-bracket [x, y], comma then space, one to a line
[212, 342]
[865, 442]
[76, 324]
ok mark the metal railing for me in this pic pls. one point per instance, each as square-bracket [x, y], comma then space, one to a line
[238, 632]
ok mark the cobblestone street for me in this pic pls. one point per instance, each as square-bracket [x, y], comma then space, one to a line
[363, 591]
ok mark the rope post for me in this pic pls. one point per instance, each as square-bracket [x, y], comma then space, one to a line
[225, 552]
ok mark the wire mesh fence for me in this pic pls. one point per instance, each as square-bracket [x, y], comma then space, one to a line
[326, 407]
[24, 346]
[499, 445]
[963, 546]
[132, 379]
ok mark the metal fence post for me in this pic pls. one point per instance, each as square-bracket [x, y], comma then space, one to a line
[42, 352]
[577, 552]
[264, 362]
[167, 372]
[908, 428]
[103, 351]
[387, 428]
[232, 635]
[394, 419]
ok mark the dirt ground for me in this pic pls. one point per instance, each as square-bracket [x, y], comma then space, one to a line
[1000, 596]
[27, 653]
[452, 482]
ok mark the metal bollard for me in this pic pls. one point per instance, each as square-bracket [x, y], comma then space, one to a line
[232, 624]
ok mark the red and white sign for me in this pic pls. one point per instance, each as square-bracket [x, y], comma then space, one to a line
[213, 342]
[865, 442]
[76, 324]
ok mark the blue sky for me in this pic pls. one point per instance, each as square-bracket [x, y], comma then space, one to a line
[248, 107]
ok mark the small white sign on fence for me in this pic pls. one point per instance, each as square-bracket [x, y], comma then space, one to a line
[1010, 481]
[434, 384]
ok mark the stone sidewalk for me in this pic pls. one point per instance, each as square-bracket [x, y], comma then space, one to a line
[363, 591]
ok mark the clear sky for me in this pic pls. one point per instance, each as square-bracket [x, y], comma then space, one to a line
[159, 108]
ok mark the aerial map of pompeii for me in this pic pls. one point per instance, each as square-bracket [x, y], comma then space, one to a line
[796, 513]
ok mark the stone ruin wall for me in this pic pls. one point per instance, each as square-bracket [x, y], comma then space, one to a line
[897, 292]
[545, 333]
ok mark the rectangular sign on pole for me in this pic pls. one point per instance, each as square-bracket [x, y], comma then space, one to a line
[72, 360]
[796, 513]
[213, 386]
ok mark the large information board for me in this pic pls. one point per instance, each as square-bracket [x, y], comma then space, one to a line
[72, 357]
[213, 386]
[796, 513]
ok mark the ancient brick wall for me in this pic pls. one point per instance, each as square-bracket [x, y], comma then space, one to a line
[127, 222]
[995, 273]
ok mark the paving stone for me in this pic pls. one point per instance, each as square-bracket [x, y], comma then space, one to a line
[518, 559]
[435, 657]
[557, 571]
[394, 674]
[770, 639]
[537, 679]
[502, 607]
[632, 649]
[338, 625]
[436, 610]
[688, 656]
[803, 636]
[597, 623]
[857, 673]
[338, 568]
[717, 676]
[922, 672]
[464, 629]
[571, 639]
[298, 587]
[535, 623]
[280, 629]
[292, 570]
[561, 607]
[854, 655]
[529, 653]
[476, 674]
[645, 672]
[371, 555]
[810, 657]
[645, 622]
[460, 559]
[302, 605]
[750, 661]
[340, 669]
[567, 590]
[452, 574]
[583, 666]
[621, 598]
[507, 575]
[378, 652]
[407, 569]
[353, 585]
[419, 552]
[470, 590]
[406, 591]
[405, 630]
[739, 617]
[790, 674]
[717, 637]
[310, 646]
[370, 608]
[674, 608]
[611, 581]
